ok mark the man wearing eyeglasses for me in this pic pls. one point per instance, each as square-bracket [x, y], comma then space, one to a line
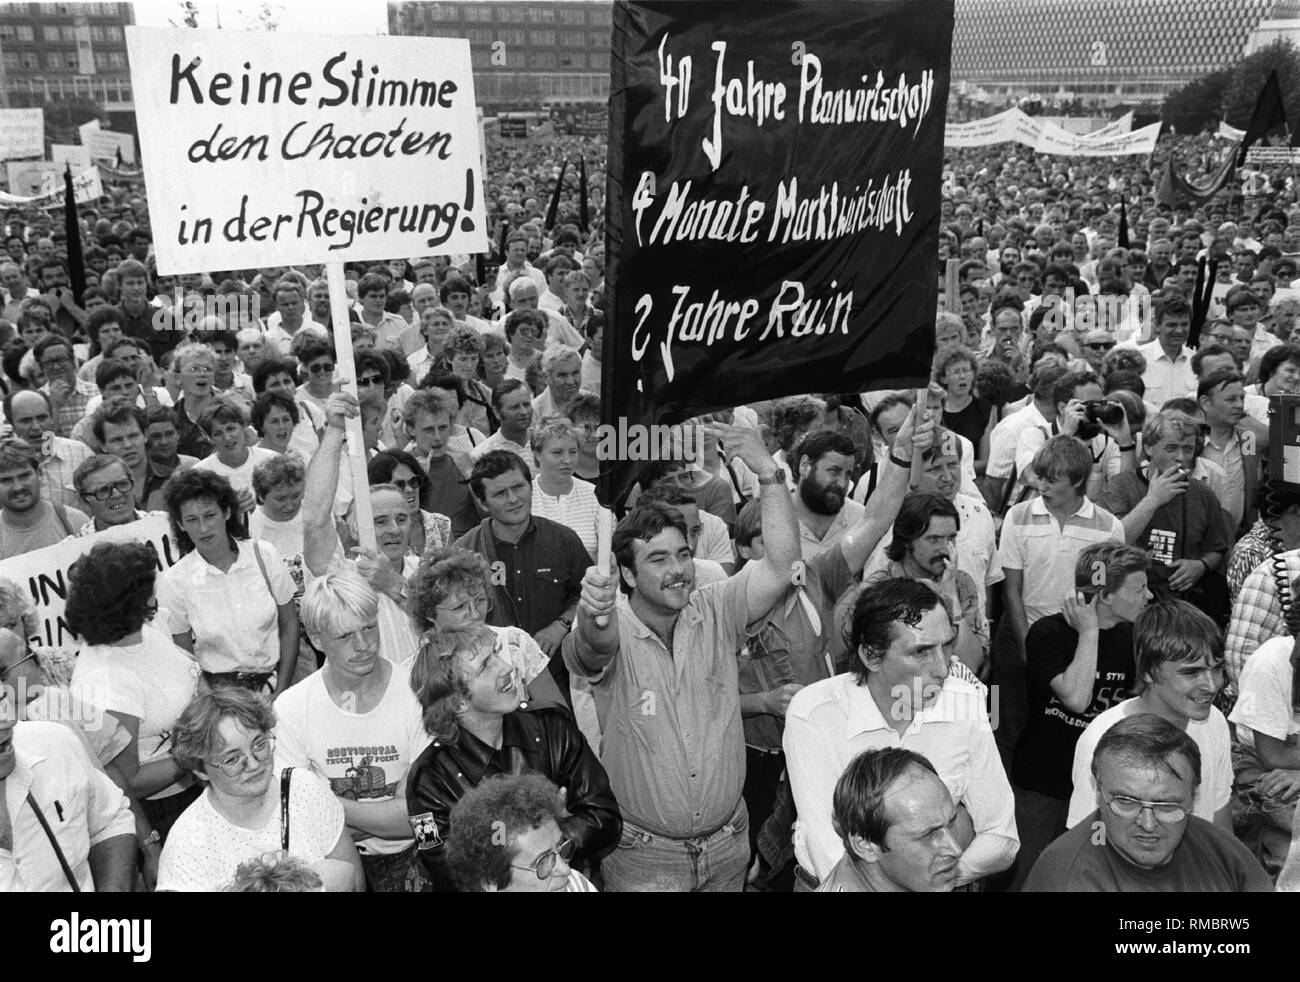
[68, 394]
[107, 489]
[1143, 836]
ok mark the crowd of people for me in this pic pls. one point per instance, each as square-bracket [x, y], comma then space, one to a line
[1028, 634]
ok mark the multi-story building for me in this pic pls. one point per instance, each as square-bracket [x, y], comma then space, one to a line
[525, 53]
[1106, 51]
[60, 51]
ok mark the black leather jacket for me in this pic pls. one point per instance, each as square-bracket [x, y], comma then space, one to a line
[541, 739]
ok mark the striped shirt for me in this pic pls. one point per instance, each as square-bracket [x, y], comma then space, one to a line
[1256, 615]
[1046, 551]
[577, 510]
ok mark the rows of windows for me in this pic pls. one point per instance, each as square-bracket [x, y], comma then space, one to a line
[514, 37]
[103, 91]
[517, 58]
[66, 33]
[596, 15]
[90, 9]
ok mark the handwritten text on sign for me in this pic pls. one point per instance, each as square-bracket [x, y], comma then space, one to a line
[781, 178]
[267, 149]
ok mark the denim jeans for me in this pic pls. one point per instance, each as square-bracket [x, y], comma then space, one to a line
[394, 873]
[1012, 691]
[649, 863]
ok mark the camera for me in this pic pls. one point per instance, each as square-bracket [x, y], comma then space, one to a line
[1099, 412]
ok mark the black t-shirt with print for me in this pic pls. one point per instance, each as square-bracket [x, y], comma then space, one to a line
[1044, 757]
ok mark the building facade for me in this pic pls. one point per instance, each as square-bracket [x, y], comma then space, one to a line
[525, 52]
[1102, 51]
[59, 51]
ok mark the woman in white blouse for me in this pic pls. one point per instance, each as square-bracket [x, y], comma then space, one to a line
[557, 494]
[133, 671]
[225, 739]
[230, 600]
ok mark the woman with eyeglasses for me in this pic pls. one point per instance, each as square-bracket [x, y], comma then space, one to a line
[476, 710]
[225, 739]
[230, 599]
[133, 671]
[429, 530]
[964, 413]
[585, 413]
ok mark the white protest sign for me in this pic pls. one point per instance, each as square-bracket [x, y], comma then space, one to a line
[106, 144]
[78, 157]
[274, 149]
[43, 574]
[22, 133]
[1230, 132]
[1010, 126]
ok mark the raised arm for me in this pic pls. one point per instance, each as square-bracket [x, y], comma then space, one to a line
[882, 507]
[780, 525]
[320, 538]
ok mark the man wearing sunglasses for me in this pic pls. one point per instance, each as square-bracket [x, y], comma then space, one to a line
[1094, 346]
[1142, 836]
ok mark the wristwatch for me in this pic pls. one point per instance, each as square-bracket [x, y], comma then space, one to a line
[151, 838]
[778, 477]
[567, 622]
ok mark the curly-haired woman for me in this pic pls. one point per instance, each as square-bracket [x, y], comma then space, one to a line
[132, 670]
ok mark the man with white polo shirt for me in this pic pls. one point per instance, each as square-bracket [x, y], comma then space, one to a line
[1169, 372]
[901, 692]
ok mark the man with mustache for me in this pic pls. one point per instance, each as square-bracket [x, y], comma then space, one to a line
[27, 521]
[663, 670]
[825, 460]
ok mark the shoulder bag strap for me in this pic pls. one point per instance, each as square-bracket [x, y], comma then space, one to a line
[285, 777]
[262, 566]
[62, 514]
[54, 842]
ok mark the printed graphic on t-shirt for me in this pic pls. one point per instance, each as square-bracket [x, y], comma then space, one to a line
[1161, 542]
[362, 778]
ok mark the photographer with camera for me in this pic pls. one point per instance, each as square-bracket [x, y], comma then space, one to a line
[1083, 412]
[1176, 518]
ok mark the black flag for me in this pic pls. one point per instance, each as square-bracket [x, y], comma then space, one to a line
[1269, 114]
[555, 198]
[480, 268]
[1123, 224]
[501, 240]
[584, 215]
[72, 227]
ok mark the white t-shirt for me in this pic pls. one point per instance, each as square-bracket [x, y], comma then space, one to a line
[241, 477]
[203, 849]
[714, 543]
[363, 756]
[1211, 736]
[287, 539]
[1264, 694]
[153, 681]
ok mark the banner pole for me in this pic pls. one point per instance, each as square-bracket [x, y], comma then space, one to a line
[346, 370]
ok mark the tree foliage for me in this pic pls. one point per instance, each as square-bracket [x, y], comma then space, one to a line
[1230, 93]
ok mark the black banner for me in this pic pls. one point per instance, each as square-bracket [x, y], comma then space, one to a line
[774, 179]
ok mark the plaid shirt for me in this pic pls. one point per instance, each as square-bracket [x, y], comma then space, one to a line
[1251, 550]
[73, 407]
[57, 470]
[1257, 615]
